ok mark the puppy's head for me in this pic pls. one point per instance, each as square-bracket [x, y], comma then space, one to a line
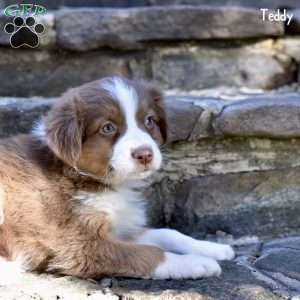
[110, 129]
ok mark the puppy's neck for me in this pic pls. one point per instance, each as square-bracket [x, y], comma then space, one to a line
[84, 182]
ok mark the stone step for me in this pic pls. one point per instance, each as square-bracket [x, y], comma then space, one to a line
[48, 72]
[180, 47]
[230, 165]
[56, 4]
[83, 29]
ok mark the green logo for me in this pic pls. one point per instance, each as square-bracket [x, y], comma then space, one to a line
[19, 10]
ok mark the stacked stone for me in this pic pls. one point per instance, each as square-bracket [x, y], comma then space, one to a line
[182, 47]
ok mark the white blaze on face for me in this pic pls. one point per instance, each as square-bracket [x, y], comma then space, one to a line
[122, 160]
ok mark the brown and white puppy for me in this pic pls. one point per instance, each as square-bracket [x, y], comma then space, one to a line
[65, 190]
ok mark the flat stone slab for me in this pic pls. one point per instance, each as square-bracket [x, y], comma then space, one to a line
[269, 117]
[236, 283]
[265, 270]
[85, 29]
[285, 261]
[49, 71]
[190, 118]
[207, 65]
[280, 259]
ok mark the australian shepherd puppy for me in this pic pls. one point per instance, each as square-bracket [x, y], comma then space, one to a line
[65, 191]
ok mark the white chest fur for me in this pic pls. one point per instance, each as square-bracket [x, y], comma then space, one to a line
[125, 209]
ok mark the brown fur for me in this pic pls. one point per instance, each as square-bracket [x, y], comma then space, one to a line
[43, 223]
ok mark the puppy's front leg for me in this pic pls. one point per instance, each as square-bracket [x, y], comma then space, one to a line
[174, 241]
[96, 258]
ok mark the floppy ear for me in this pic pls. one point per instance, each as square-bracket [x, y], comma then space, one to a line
[159, 106]
[64, 128]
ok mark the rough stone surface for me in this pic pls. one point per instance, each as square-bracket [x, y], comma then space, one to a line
[45, 71]
[272, 4]
[183, 117]
[126, 28]
[263, 203]
[54, 4]
[236, 282]
[194, 67]
[50, 73]
[280, 259]
[265, 270]
[276, 117]
[290, 46]
[19, 115]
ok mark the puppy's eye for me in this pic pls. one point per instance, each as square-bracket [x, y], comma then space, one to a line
[108, 128]
[149, 122]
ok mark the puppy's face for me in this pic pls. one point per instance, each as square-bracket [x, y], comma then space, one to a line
[109, 129]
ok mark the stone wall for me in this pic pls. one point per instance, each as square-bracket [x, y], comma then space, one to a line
[181, 47]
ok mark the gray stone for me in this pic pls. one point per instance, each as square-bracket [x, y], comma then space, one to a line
[246, 203]
[289, 243]
[86, 29]
[184, 161]
[19, 115]
[290, 46]
[271, 4]
[182, 117]
[195, 67]
[269, 117]
[236, 283]
[284, 261]
[49, 73]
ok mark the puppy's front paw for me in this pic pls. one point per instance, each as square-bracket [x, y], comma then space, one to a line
[213, 250]
[222, 252]
[186, 266]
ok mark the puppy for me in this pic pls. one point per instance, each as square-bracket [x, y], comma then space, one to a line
[67, 197]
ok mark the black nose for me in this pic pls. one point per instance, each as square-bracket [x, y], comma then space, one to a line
[143, 154]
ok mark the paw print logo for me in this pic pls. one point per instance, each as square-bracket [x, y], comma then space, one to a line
[24, 32]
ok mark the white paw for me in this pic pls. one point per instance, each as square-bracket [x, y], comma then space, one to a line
[225, 253]
[213, 250]
[221, 252]
[186, 266]
[10, 271]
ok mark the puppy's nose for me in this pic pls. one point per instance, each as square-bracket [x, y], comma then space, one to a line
[143, 154]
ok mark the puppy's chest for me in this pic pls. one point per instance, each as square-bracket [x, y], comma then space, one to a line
[125, 209]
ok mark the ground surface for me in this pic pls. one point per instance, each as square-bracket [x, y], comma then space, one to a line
[261, 271]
